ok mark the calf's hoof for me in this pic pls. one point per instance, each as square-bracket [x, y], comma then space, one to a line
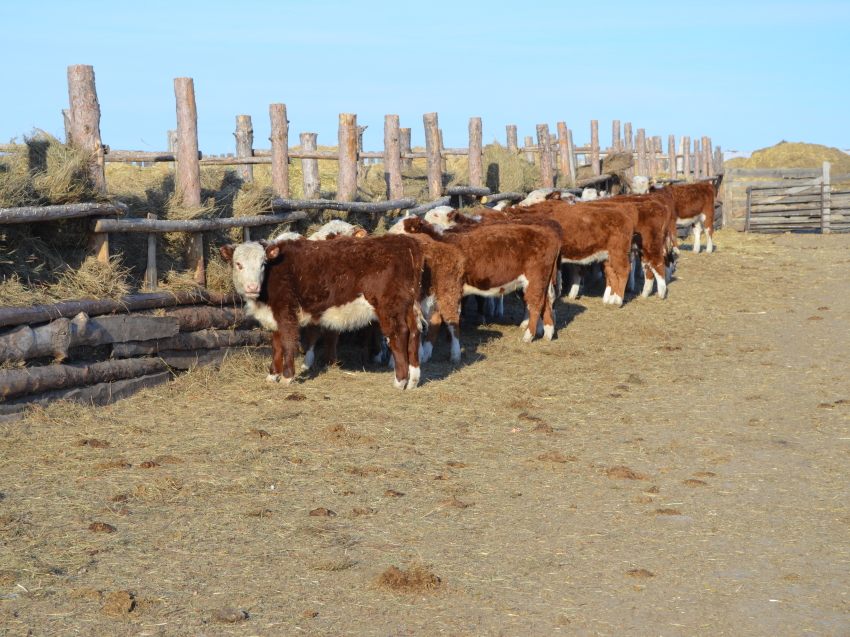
[272, 378]
[527, 337]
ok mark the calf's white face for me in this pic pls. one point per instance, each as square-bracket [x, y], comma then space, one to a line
[442, 216]
[248, 268]
[640, 185]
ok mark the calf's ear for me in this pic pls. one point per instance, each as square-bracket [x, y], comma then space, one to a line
[360, 233]
[226, 252]
[272, 251]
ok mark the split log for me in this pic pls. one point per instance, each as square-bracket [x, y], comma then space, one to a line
[392, 158]
[99, 394]
[194, 225]
[94, 307]
[350, 206]
[193, 319]
[475, 152]
[432, 148]
[425, 207]
[280, 149]
[205, 339]
[512, 138]
[30, 214]
[15, 383]
[204, 357]
[309, 167]
[404, 146]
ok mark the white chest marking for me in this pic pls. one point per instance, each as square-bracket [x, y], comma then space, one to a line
[261, 312]
[516, 284]
[350, 316]
[593, 258]
[683, 223]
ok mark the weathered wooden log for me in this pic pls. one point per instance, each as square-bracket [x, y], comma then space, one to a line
[444, 166]
[280, 149]
[697, 161]
[171, 143]
[392, 158]
[425, 207]
[309, 167]
[671, 156]
[404, 146]
[350, 206]
[31, 214]
[512, 196]
[151, 276]
[547, 175]
[85, 119]
[205, 357]
[188, 169]
[594, 146]
[512, 138]
[592, 181]
[616, 144]
[347, 179]
[475, 152]
[95, 307]
[244, 146]
[198, 225]
[468, 191]
[99, 394]
[69, 126]
[193, 319]
[432, 149]
[15, 383]
[571, 155]
[652, 156]
[529, 154]
[627, 137]
[204, 339]
[563, 149]
[686, 162]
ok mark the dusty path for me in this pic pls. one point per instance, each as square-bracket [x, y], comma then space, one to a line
[737, 383]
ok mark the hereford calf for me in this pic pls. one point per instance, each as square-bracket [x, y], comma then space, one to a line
[502, 257]
[342, 284]
[695, 207]
[591, 235]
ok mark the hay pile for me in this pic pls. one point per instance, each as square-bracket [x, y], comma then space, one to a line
[505, 171]
[615, 164]
[794, 155]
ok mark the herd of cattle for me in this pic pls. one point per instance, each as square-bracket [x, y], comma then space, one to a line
[414, 277]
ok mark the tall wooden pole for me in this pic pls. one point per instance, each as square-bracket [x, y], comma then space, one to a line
[640, 143]
[706, 156]
[309, 167]
[686, 162]
[718, 161]
[512, 138]
[562, 148]
[244, 146]
[627, 134]
[594, 147]
[544, 152]
[697, 160]
[653, 156]
[571, 156]
[188, 168]
[404, 143]
[280, 149]
[392, 157]
[432, 150]
[475, 150]
[529, 155]
[85, 119]
[171, 144]
[347, 180]
[615, 136]
[671, 153]
[444, 164]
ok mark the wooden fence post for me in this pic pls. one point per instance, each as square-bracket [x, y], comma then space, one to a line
[392, 157]
[653, 156]
[686, 161]
[309, 167]
[529, 155]
[69, 125]
[280, 150]
[432, 150]
[718, 161]
[512, 138]
[244, 146]
[697, 161]
[475, 152]
[629, 146]
[444, 163]
[188, 168]
[150, 272]
[706, 157]
[615, 136]
[640, 144]
[406, 149]
[85, 119]
[825, 199]
[171, 145]
[562, 149]
[544, 152]
[347, 179]
[594, 147]
[749, 207]
[361, 171]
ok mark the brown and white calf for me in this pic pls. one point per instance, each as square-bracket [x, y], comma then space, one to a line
[591, 235]
[695, 207]
[502, 257]
[342, 284]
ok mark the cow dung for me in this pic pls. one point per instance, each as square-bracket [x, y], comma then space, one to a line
[705, 474]
[362, 511]
[117, 604]
[668, 512]
[102, 527]
[229, 615]
[624, 473]
[322, 513]
[694, 483]
[296, 396]
[392, 493]
[640, 573]
[411, 581]
[457, 465]
[642, 499]
[259, 433]
[92, 442]
[148, 464]
[553, 456]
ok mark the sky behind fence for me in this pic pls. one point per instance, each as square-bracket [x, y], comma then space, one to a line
[747, 74]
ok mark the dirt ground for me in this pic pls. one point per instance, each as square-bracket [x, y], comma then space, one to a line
[694, 481]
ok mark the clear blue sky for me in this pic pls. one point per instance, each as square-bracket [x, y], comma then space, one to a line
[747, 74]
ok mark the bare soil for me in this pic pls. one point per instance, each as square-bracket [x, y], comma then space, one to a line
[694, 481]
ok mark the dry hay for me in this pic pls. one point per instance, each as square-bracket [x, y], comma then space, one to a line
[96, 279]
[616, 164]
[505, 171]
[640, 573]
[415, 580]
[795, 155]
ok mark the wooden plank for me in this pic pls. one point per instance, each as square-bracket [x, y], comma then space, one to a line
[309, 167]
[192, 319]
[208, 357]
[547, 176]
[475, 152]
[85, 119]
[121, 329]
[98, 394]
[392, 157]
[350, 206]
[825, 202]
[814, 219]
[432, 149]
[31, 214]
[749, 208]
[94, 307]
[280, 149]
[244, 146]
[653, 156]
[207, 225]
[782, 184]
[512, 138]
[347, 179]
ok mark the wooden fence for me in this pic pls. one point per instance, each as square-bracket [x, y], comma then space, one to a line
[780, 200]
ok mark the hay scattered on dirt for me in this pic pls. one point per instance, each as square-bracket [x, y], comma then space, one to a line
[452, 501]
[417, 579]
[102, 527]
[259, 433]
[705, 474]
[117, 604]
[553, 456]
[624, 473]
[322, 513]
[93, 443]
[694, 483]
[642, 499]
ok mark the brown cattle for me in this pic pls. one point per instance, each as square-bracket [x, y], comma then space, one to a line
[502, 257]
[591, 235]
[695, 207]
[343, 285]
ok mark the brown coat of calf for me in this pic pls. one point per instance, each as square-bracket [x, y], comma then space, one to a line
[502, 257]
[695, 207]
[344, 284]
[591, 235]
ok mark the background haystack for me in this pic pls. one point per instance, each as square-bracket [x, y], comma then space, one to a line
[794, 155]
[505, 171]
